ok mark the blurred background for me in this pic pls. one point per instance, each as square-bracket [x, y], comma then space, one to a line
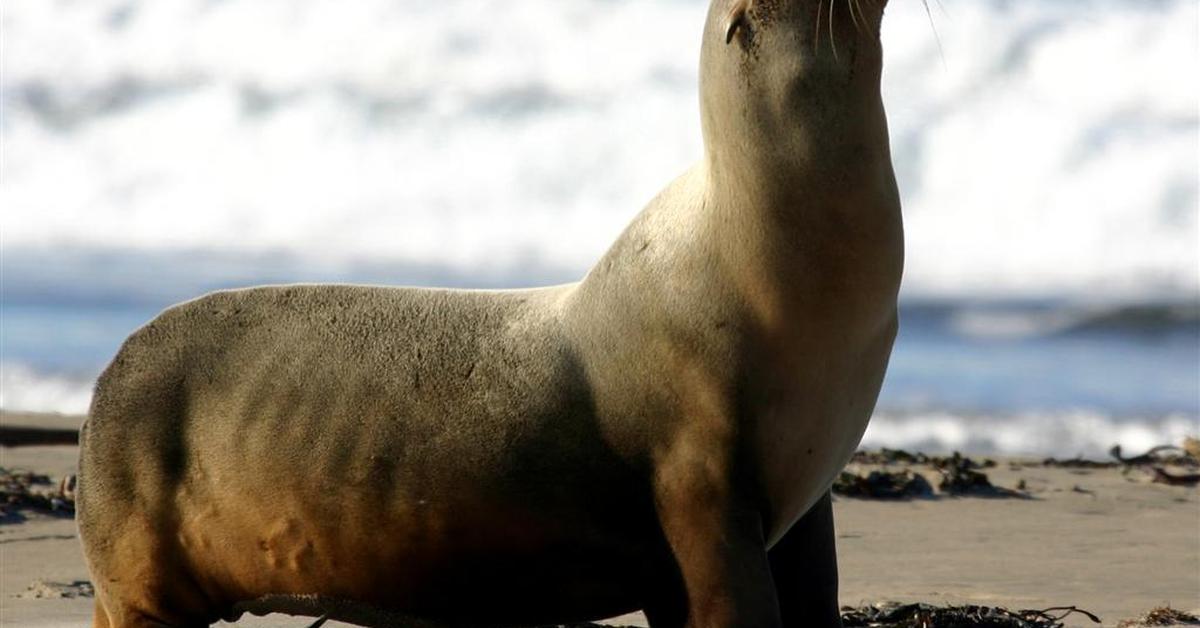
[1048, 154]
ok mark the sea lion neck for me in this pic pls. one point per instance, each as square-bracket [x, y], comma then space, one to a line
[790, 99]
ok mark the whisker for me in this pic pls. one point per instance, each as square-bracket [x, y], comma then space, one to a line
[859, 4]
[942, 7]
[873, 4]
[936, 37]
[832, 39]
[817, 33]
[853, 16]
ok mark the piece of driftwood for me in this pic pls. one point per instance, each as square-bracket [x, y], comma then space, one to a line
[1157, 459]
[1185, 456]
[1162, 476]
[1161, 455]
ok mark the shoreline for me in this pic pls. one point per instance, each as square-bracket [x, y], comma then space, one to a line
[27, 429]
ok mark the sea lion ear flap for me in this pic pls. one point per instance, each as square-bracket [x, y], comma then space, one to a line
[736, 19]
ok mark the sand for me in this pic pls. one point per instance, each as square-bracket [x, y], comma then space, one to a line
[1113, 543]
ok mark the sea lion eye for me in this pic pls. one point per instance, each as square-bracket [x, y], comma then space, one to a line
[738, 19]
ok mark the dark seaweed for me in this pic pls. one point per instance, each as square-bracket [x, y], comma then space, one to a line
[18, 494]
[929, 616]
[899, 456]
[882, 485]
[1164, 616]
[959, 477]
[1079, 463]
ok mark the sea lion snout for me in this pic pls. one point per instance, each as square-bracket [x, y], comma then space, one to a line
[809, 17]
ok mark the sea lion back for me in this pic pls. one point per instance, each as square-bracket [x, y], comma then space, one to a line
[261, 394]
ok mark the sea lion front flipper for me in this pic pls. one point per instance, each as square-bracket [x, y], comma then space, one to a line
[715, 535]
[804, 567]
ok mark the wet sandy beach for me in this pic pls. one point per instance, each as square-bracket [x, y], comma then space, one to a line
[1107, 540]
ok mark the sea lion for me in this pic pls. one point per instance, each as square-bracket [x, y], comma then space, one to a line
[659, 436]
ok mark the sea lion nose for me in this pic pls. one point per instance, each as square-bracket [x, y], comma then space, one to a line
[736, 19]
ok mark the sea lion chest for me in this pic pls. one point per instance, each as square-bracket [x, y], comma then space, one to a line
[815, 373]
[808, 417]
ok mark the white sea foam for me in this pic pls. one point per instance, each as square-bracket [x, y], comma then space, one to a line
[1062, 434]
[1053, 151]
[1050, 433]
[23, 389]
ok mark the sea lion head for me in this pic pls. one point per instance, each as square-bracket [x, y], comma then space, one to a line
[791, 82]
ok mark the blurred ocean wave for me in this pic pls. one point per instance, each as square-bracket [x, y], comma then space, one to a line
[1062, 434]
[1006, 320]
[1051, 150]
[24, 389]
[1047, 156]
[86, 277]
[1136, 364]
